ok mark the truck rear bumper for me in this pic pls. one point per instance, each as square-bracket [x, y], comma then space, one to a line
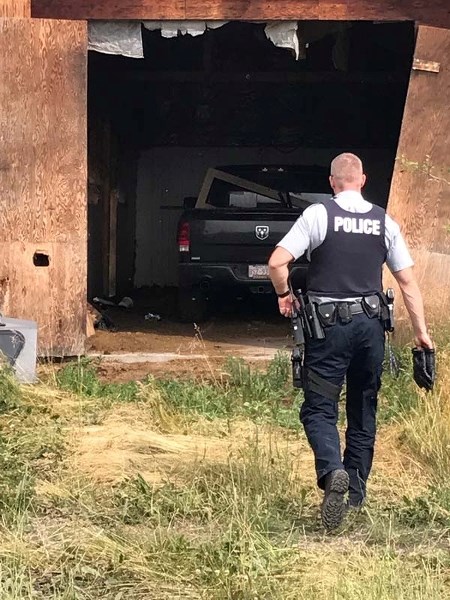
[214, 279]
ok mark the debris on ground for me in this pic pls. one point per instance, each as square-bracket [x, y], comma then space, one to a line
[97, 319]
[126, 302]
[152, 317]
[103, 301]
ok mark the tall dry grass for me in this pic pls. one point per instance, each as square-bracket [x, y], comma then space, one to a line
[427, 426]
[241, 523]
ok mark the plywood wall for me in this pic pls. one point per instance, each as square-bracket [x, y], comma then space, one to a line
[420, 191]
[15, 8]
[43, 178]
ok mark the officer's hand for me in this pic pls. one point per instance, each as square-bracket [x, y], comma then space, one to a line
[285, 306]
[423, 340]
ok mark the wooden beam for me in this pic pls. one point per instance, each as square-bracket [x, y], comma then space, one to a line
[328, 10]
[15, 8]
[216, 174]
[112, 250]
[434, 12]
[106, 206]
[109, 9]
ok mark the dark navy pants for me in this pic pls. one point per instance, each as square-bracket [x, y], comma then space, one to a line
[353, 352]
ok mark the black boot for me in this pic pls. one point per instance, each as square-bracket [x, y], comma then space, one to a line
[333, 506]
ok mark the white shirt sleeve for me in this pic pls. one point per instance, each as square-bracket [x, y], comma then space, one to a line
[307, 233]
[398, 256]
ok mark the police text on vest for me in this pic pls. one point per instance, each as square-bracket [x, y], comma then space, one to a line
[354, 225]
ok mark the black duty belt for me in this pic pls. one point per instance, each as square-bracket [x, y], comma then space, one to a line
[341, 311]
[355, 307]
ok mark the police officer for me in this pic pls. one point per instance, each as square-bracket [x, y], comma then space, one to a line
[347, 241]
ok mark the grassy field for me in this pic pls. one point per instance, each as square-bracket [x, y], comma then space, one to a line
[168, 489]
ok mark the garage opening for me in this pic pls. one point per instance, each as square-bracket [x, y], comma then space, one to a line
[228, 99]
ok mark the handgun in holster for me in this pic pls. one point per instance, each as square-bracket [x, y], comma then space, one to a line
[298, 336]
[305, 325]
[387, 310]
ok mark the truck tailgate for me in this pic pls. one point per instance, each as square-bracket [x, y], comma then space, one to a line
[241, 236]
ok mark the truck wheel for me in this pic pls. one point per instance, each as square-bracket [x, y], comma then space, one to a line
[192, 305]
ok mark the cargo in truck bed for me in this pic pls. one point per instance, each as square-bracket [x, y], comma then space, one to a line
[226, 235]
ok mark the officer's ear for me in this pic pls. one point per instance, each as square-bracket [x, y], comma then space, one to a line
[363, 180]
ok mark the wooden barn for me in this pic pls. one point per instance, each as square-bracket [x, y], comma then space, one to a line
[93, 148]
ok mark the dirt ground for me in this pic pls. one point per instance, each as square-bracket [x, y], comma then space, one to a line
[115, 372]
[141, 346]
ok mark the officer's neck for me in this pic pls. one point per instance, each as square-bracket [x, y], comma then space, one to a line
[347, 188]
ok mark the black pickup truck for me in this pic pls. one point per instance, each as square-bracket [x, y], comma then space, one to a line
[226, 235]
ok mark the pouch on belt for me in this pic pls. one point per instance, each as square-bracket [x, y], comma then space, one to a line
[371, 306]
[326, 313]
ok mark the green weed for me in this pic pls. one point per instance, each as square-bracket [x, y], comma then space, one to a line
[10, 391]
[244, 391]
[264, 394]
[199, 398]
[431, 509]
[398, 394]
[80, 377]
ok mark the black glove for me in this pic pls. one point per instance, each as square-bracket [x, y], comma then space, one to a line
[424, 367]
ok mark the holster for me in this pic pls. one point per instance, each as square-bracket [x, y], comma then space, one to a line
[424, 367]
[386, 313]
[297, 368]
[311, 313]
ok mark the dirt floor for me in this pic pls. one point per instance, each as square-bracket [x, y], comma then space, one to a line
[140, 346]
[116, 372]
[215, 336]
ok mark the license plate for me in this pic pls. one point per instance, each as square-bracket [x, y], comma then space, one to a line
[258, 271]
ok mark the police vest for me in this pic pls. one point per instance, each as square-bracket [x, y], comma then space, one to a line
[350, 260]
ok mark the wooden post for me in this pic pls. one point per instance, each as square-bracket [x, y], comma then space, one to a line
[15, 8]
[420, 191]
[109, 209]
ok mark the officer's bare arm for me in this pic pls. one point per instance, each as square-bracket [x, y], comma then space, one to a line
[278, 269]
[414, 305]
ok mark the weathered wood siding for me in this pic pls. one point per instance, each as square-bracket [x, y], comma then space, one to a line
[420, 192]
[434, 12]
[43, 178]
[15, 8]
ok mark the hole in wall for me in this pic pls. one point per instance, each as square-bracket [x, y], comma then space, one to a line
[40, 259]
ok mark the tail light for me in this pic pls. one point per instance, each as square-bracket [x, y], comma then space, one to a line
[184, 234]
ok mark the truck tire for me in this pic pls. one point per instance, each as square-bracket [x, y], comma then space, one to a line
[192, 305]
